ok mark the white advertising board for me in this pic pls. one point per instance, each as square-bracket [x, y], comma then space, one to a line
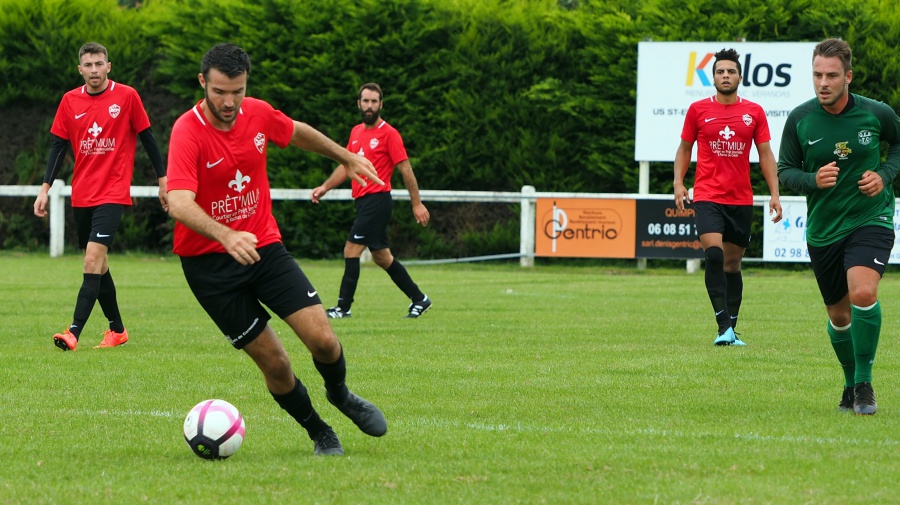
[786, 241]
[673, 75]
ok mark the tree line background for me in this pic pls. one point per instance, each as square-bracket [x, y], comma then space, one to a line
[488, 94]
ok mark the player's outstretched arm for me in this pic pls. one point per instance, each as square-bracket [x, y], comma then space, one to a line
[308, 138]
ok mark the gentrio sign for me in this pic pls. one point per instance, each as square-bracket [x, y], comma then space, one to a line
[673, 75]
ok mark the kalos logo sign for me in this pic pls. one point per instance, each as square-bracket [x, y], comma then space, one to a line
[673, 75]
[761, 74]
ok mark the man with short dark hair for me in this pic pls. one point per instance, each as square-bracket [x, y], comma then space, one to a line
[230, 245]
[724, 125]
[831, 152]
[101, 122]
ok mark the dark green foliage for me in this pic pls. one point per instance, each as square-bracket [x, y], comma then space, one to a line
[488, 94]
[314, 231]
[144, 227]
[41, 38]
[19, 230]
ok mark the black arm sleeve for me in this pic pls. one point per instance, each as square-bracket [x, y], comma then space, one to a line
[58, 149]
[153, 153]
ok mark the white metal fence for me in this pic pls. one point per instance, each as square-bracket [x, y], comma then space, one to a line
[526, 199]
[59, 191]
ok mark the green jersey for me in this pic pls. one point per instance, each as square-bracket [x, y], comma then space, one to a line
[813, 138]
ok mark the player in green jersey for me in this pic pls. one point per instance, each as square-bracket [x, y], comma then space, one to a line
[831, 152]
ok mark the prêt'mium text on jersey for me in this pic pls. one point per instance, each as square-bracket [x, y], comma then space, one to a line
[235, 207]
[728, 149]
[97, 146]
[238, 195]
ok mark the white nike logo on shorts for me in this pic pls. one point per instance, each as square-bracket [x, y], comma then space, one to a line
[878, 262]
[100, 235]
[358, 236]
[311, 293]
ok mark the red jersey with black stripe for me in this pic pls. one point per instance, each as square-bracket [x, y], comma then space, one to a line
[383, 146]
[102, 130]
[226, 170]
[724, 134]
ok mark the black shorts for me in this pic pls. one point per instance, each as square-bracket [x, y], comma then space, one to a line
[97, 224]
[373, 213]
[869, 246]
[233, 294]
[732, 221]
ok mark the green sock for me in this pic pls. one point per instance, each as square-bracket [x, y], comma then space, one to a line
[842, 343]
[865, 329]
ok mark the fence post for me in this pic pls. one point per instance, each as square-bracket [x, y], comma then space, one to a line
[526, 227]
[57, 210]
[693, 266]
[644, 189]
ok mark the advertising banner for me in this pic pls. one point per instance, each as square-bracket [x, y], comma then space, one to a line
[786, 241]
[673, 75]
[584, 228]
[663, 231]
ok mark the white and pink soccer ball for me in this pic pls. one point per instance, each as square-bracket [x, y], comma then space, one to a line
[214, 429]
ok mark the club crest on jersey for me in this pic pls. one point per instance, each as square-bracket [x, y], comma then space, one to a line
[114, 110]
[373, 143]
[260, 142]
[748, 119]
[865, 137]
[842, 151]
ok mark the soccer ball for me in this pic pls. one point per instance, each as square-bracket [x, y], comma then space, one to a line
[214, 429]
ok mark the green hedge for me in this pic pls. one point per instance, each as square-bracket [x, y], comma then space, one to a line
[488, 94]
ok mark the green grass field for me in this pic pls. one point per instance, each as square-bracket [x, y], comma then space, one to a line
[558, 385]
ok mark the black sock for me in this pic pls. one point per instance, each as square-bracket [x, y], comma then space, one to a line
[335, 375]
[109, 303]
[348, 283]
[735, 296]
[299, 406]
[716, 286]
[403, 281]
[84, 304]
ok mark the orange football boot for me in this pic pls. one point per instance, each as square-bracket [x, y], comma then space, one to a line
[113, 339]
[65, 340]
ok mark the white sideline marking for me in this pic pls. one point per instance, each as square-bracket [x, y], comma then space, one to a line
[122, 413]
[519, 427]
[524, 428]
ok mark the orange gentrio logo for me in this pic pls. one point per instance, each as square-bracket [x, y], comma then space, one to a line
[585, 228]
[698, 69]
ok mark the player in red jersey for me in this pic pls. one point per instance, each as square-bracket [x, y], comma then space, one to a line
[724, 126]
[101, 122]
[378, 141]
[230, 246]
